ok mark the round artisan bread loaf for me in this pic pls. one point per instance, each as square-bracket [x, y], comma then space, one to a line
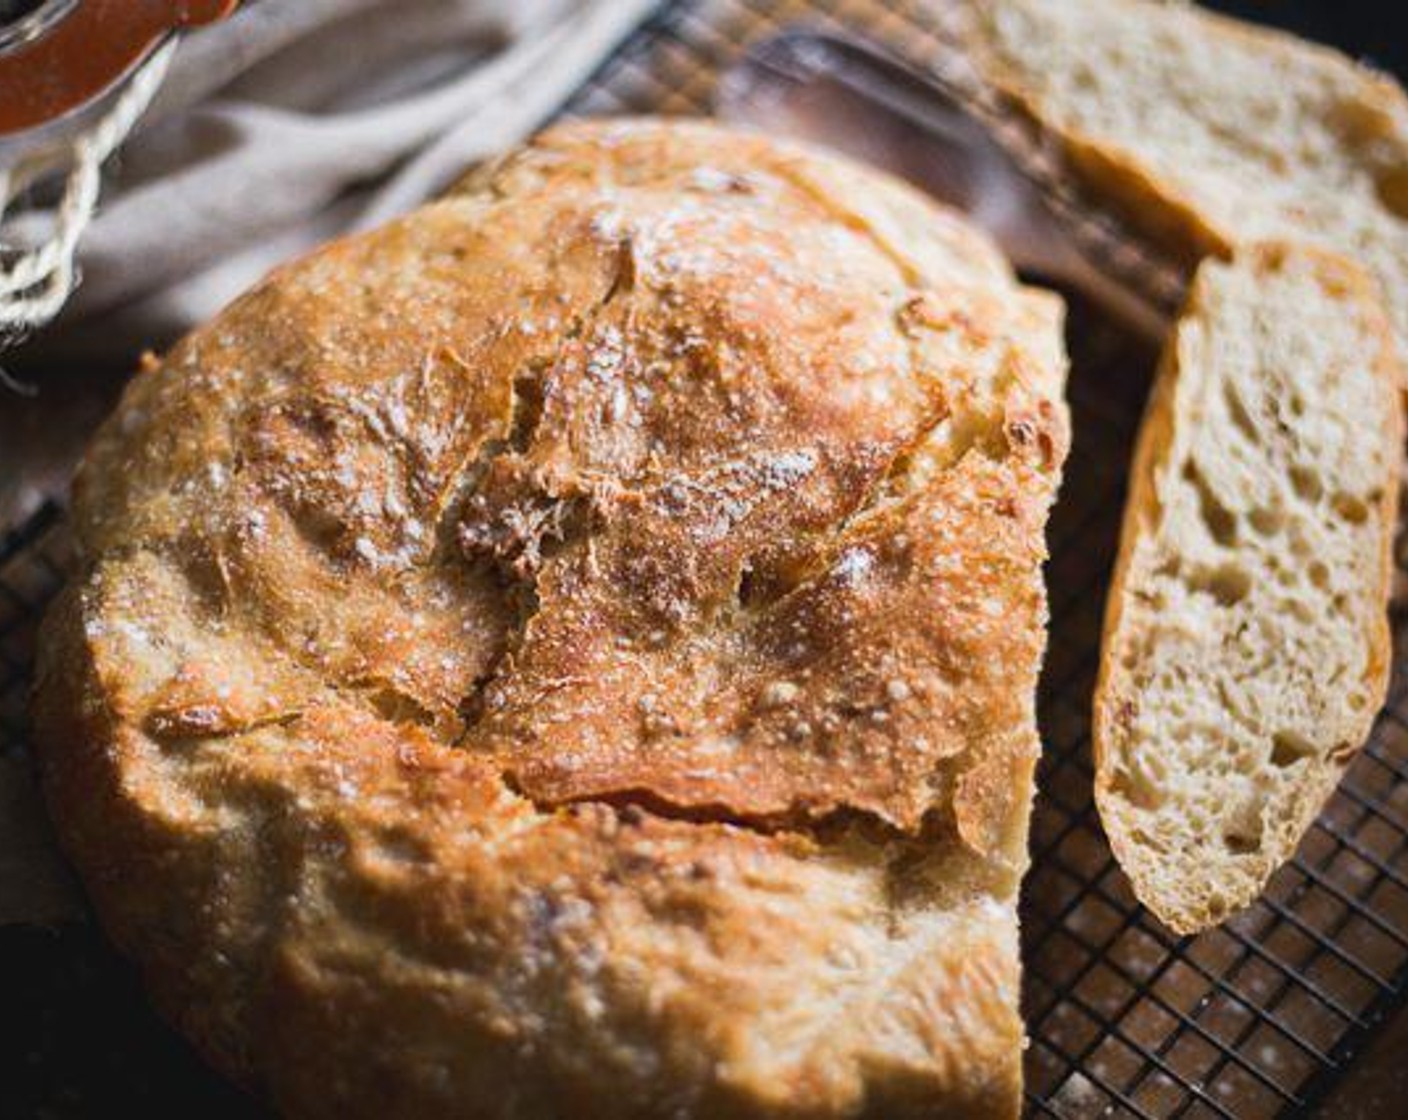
[571, 652]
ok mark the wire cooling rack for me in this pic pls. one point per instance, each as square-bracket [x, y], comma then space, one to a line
[1254, 1020]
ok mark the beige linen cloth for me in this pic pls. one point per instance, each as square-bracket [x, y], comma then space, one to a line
[293, 122]
[300, 119]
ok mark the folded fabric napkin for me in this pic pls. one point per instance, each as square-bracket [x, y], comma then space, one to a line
[291, 123]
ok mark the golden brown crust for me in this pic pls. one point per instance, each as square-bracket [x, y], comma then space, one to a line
[572, 651]
[1116, 692]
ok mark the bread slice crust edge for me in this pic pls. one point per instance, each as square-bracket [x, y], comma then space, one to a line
[1188, 905]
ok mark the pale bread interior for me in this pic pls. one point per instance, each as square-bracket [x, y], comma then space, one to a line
[1247, 643]
[1254, 134]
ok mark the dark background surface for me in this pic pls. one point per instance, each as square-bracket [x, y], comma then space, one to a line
[62, 993]
[1373, 30]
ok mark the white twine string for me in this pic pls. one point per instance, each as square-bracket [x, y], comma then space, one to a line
[35, 282]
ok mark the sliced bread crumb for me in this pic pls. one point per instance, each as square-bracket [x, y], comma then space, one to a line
[1246, 642]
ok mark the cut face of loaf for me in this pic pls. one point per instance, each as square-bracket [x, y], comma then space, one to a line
[1204, 131]
[1246, 645]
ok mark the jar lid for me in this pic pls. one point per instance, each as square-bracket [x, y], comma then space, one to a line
[56, 56]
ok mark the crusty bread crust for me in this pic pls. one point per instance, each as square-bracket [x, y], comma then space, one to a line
[572, 652]
[1192, 890]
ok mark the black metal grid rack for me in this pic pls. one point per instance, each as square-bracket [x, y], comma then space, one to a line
[1256, 1019]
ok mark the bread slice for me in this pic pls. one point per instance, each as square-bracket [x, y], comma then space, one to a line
[1246, 643]
[1203, 131]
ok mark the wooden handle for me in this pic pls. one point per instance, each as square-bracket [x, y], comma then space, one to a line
[82, 52]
